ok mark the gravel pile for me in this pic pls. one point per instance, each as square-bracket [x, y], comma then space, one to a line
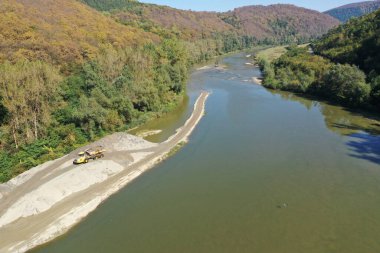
[125, 142]
[120, 142]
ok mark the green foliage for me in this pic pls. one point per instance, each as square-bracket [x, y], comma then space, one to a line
[356, 42]
[111, 4]
[346, 84]
[268, 74]
[297, 70]
[119, 85]
[285, 32]
[375, 92]
[61, 140]
[300, 71]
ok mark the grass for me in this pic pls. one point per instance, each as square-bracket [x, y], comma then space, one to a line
[176, 149]
[272, 53]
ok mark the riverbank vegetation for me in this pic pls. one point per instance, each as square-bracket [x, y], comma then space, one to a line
[345, 67]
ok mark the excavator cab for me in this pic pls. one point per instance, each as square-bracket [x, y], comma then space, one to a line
[81, 159]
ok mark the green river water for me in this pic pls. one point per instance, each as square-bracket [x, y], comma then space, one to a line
[264, 172]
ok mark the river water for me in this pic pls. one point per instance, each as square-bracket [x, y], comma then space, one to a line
[264, 171]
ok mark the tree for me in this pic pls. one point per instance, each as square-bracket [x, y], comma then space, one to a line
[345, 83]
[375, 92]
[268, 74]
[28, 90]
[3, 113]
[297, 70]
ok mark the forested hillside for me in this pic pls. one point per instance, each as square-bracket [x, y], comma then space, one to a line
[60, 33]
[346, 12]
[107, 5]
[345, 69]
[356, 42]
[280, 23]
[270, 24]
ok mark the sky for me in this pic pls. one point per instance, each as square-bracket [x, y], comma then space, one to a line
[224, 5]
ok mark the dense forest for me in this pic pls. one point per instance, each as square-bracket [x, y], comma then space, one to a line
[102, 5]
[73, 71]
[346, 12]
[343, 68]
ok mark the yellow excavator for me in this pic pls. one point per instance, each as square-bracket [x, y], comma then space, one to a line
[92, 153]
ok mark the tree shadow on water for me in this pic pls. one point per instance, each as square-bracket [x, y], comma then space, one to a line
[365, 146]
[372, 129]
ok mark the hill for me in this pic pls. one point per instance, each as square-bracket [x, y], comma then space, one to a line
[271, 24]
[346, 12]
[188, 25]
[58, 32]
[282, 22]
[356, 42]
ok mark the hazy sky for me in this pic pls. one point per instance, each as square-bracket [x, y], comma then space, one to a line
[223, 5]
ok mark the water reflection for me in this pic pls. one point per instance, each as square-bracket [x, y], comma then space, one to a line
[337, 119]
[288, 96]
[362, 131]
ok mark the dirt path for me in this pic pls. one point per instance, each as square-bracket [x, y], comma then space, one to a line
[46, 201]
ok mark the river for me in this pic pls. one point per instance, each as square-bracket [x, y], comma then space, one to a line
[264, 172]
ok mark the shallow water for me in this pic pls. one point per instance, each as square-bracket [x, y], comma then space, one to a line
[264, 172]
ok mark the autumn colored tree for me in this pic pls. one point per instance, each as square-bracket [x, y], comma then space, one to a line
[28, 91]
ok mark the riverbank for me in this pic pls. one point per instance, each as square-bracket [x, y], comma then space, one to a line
[46, 201]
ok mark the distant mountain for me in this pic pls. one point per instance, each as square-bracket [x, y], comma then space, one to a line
[281, 21]
[344, 13]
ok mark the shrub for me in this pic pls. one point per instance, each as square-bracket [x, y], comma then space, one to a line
[346, 84]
